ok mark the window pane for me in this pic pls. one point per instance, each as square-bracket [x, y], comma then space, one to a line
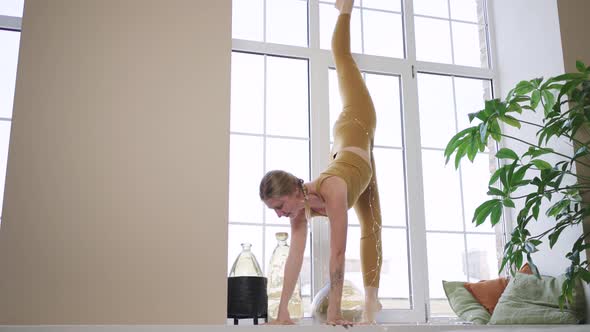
[328, 16]
[394, 282]
[393, 5]
[475, 178]
[483, 256]
[335, 101]
[287, 97]
[245, 172]
[289, 155]
[446, 261]
[467, 10]
[442, 197]
[469, 42]
[438, 8]
[4, 137]
[433, 40]
[286, 22]
[247, 93]
[470, 97]
[390, 176]
[238, 234]
[437, 116]
[12, 8]
[248, 19]
[9, 43]
[385, 93]
[383, 34]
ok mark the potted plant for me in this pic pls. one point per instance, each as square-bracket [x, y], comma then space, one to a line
[560, 190]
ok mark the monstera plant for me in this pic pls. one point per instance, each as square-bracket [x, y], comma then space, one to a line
[558, 189]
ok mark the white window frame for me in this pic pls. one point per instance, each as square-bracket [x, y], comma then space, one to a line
[320, 61]
[9, 23]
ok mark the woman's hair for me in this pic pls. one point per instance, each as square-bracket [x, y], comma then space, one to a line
[278, 183]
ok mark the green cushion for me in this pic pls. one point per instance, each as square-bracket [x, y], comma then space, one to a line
[530, 300]
[464, 304]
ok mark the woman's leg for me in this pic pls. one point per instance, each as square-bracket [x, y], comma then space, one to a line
[357, 104]
[356, 101]
[368, 210]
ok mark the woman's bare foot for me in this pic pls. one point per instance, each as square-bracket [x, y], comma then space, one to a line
[372, 305]
[344, 6]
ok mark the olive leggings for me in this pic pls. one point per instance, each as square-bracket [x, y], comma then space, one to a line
[356, 127]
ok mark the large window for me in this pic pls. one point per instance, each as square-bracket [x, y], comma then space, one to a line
[10, 22]
[426, 64]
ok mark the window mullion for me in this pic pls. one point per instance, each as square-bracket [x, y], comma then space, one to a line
[10, 23]
[415, 196]
[320, 150]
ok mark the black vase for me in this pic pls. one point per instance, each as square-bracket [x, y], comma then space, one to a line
[247, 298]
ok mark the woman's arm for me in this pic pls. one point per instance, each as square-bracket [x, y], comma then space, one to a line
[334, 192]
[292, 266]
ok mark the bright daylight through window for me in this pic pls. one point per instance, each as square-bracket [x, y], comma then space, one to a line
[427, 65]
[10, 23]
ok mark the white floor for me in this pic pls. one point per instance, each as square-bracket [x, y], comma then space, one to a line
[311, 328]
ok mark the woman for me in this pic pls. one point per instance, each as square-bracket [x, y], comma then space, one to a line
[349, 181]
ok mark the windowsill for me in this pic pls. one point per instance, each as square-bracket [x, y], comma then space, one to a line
[426, 327]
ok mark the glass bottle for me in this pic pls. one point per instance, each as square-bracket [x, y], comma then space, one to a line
[276, 272]
[246, 264]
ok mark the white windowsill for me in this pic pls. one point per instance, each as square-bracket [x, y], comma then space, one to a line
[295, 328]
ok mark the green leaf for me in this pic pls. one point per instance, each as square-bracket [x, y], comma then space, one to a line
[548, 99]
[482, 211]
[534, 152]
[511, 121]
[519, 175]
[496, 214]
[518, 259]
[535, 99]
[536, 242]
[455, 142]
[558, 207]
[584, 275]
[495, 191]
[553, 237]
[541, 164]
[508, 202]
[495, 176]
[570, 76]
[523, 87]
[536, 211]
[460, 154]
[506, 153]
[483, 133]
[530, 248]
[580, 66]
[581, 152]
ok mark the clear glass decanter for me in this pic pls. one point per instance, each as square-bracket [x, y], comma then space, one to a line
[276, 269]
[246, 264]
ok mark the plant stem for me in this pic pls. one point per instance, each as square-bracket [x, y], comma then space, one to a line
[538, 147]
[555, 190]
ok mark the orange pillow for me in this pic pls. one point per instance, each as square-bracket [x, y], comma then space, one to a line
[526, 269]
[487, 292]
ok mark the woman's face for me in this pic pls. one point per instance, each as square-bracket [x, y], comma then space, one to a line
[284, 206]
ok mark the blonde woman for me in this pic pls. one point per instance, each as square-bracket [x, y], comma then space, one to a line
[349, 181]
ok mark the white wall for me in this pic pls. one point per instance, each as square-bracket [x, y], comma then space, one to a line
[117, 182]
[528, 45]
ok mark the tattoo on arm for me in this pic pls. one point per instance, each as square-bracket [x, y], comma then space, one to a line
[336, 278]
